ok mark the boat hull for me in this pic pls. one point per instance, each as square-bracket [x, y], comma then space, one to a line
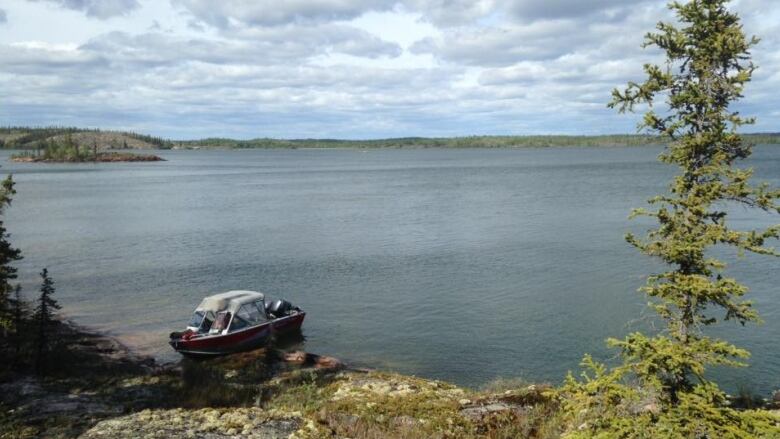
[239, 341]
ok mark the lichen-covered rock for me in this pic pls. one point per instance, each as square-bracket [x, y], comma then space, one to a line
[479, 412]
[204, 423]
[394, 386]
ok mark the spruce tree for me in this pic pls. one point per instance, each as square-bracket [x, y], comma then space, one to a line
[8, 255]
[43, 318]
[707, 66]
[19, 313]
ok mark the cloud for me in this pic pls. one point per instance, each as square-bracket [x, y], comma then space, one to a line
[298, 40]
[288, 44]
[227, 13]
[549, 9]
[448, 13]
[28, 59]
[3, 16]
[502, 45]
[451, 13]
[223, 13]
[344, 68]
[101, 9]
[511, 42]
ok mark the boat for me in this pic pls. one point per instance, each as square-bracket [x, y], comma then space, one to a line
[235, 321]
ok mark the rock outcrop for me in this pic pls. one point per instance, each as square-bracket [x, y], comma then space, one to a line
[212, 423]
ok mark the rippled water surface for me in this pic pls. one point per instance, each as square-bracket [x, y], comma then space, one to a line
[463, 265]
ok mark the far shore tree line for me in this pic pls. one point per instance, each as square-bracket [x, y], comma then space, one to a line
[31, 138]
[26, 329]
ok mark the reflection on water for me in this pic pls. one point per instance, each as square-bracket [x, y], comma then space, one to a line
[455, 264]
[289, 340]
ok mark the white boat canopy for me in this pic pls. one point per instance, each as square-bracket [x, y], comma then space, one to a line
[230, 301]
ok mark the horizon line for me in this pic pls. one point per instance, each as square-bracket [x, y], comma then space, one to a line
[368, 139]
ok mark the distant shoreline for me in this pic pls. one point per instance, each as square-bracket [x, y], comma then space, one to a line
[475, 142]
[32, 138]
[407, 147]
[370, 148]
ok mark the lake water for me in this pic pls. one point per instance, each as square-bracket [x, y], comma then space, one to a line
[464, 265]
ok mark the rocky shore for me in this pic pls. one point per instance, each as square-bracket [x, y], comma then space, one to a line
[100, 389]
[103, 390]
[102, 157]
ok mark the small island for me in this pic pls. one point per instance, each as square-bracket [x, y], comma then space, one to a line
[68, 150]
[102, 157]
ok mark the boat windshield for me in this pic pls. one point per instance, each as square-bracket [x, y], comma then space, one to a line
[238, 323]
[197, 319]
[253, 313]
[207, 322]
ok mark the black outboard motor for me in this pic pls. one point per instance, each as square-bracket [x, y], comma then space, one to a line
[278, 308]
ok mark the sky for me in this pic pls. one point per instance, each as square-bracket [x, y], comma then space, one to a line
[352, 69]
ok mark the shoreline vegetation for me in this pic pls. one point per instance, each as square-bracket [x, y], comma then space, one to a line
[101, 157]
[36, 139]
[102, 389]
[69, 150]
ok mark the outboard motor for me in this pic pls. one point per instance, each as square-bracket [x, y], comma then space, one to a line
[278, 308]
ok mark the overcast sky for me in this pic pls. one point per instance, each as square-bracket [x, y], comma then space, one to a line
[342, 68]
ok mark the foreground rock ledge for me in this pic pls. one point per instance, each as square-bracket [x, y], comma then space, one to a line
[107, 392]
[104, 391]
